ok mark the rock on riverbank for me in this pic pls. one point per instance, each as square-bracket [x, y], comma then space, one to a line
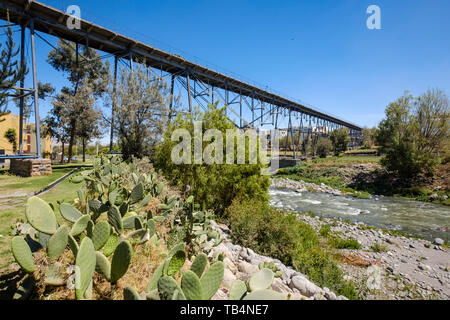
[241, 263]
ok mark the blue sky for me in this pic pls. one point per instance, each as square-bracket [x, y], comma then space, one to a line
[320, 52]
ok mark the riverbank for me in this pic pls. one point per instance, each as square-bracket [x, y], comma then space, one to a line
[363, 177]
[409, 268]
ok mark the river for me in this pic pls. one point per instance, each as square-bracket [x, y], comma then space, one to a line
[416, 218]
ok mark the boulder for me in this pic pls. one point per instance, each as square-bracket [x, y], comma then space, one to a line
[306, 287]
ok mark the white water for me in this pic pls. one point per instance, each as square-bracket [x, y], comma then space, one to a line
[412, 217]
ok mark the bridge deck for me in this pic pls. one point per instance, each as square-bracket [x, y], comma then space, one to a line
[53, 21]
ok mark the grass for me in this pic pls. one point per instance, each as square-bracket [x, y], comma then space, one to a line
[15, 212]
[10, 184]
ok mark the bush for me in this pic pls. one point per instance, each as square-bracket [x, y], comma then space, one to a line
[340, 140]
[323, 147]
[280, 235]
[213, 185]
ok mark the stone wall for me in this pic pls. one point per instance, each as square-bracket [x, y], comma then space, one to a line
[31, 167]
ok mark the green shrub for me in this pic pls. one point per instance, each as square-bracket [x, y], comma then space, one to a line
[340, 243]
[379, 247]
[325, 230]
[280, 235]
[214, 186]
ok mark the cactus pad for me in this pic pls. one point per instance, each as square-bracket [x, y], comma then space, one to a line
[115, 219]
[40, 215]
[101, 234]
[176, 262]
[58, 242]
[129, 293]
[102, 265]
[137, 194]
[22, 253]
[238, 290]
[85, 262]
[81, 225]
[167, 287]
[73, 245]
[212, 279]
[199, 264]
[69, 212]
[110, 245]
[191, 286]
[121, 260]
[261, 280]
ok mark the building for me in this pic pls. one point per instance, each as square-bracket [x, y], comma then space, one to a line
[11, 121]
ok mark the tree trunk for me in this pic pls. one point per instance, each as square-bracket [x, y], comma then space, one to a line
[84, 150]
[72, 138]
[62, 152]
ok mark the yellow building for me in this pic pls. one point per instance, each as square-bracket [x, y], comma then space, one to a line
[11, 121]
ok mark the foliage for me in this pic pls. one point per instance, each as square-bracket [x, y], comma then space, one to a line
[79, 234]
[194, 226]
[340, 140]
[323, 147]
[140, 114]
[198, 283]
[11, 136]
[415, 133]
[368, 137]
[214, 186]
[280, 235]
[89, 76]
[10, 71]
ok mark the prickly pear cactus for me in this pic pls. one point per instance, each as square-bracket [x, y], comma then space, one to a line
[129, 293]
[121, 260]
[101, 234]
[261, 280]
[85, 262]
[102, 265]
[80, 225]
[238, 290]
[191, 286]
[176, 262]
[58, 242]
[40, 215]
[212, 279]
[110, 244]
[22, 253]
[153, 283]
[167, 288]
[199, 264]
[115, 219]
[69, 212]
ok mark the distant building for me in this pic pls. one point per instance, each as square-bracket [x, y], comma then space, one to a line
[11, 121]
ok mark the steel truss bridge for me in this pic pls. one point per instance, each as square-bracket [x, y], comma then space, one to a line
[201, 84]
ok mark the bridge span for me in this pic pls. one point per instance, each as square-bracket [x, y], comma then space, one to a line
[202, 84]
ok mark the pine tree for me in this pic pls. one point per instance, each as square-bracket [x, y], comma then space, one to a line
[10, 70]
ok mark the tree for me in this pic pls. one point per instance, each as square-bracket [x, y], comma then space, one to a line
[323, 147]
[213, 185]
[86, 69]
[414, 133]
[141, 112]
[11, 136]
[368, 137]
[70, 115]
[10, 71]
[89, 127]
[340, 140]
